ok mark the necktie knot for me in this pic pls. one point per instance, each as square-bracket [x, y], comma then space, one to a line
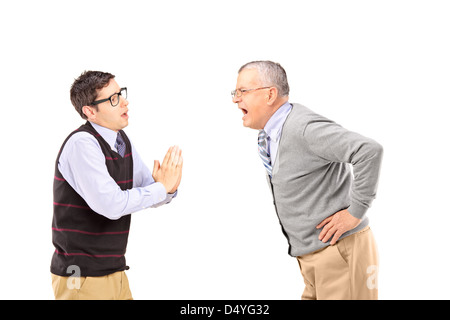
[120, 145]
[262, 137]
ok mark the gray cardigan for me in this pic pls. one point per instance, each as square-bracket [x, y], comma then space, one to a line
[312, 177]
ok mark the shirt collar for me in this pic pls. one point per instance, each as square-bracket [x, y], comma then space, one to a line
[109, 135]
[275, 123]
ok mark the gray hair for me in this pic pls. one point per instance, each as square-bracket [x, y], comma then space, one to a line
[270, 74]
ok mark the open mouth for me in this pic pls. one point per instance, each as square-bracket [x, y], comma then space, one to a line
[245, 112]
[125, 115]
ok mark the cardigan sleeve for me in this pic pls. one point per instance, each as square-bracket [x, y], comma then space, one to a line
[334, 143]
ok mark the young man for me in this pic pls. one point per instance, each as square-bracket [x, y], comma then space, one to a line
[321, 208]
[99, 181]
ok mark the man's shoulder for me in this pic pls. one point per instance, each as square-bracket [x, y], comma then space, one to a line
[303, 111]
[301, 115]
[83, 136]
[79, 141]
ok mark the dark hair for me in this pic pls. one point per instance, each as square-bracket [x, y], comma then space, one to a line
[84, 90]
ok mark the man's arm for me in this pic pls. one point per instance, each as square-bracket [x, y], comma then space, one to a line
[334, 143]
[82, 164]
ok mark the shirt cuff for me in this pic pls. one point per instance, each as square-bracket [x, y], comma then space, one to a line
[172, 195]
[159, 191]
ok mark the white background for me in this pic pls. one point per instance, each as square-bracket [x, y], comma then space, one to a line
[381, 68]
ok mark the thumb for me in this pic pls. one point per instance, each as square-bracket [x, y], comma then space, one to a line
[156, 167]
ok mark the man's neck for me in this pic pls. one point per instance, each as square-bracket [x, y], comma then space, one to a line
[277, 105]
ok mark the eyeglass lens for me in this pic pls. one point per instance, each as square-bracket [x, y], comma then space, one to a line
[115, 99]
[236, 93]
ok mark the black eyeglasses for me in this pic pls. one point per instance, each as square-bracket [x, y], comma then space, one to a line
[114, 99]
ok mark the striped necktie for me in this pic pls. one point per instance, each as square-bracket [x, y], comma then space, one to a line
[120, 145]
[262, 147]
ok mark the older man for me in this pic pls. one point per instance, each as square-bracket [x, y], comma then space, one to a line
[320, 206]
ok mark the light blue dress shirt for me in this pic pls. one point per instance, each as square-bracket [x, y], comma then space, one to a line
[82, 164]
[274, 127]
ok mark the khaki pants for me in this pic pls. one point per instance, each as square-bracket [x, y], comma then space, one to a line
[347, 270]
[114, 286]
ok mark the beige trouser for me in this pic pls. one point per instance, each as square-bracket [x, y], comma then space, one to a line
[348, 270]
[114, 286]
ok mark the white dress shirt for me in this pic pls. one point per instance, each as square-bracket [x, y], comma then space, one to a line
[273, 129]
[82, 164]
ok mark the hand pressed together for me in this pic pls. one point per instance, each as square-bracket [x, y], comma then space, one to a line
[169, 172]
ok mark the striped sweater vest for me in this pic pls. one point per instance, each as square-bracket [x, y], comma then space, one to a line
[85, 240]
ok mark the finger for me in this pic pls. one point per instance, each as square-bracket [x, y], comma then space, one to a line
[329, 234]
[172, 155]
[324, 222]
[180, 161]
[336, 237]
[167, 157]
[324, 231]
[176, 155]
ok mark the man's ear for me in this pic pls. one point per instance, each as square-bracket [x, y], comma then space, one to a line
[272, 95]
[89, 112]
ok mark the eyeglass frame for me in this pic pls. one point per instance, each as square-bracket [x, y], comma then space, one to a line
[118, 96]
[234, 92]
